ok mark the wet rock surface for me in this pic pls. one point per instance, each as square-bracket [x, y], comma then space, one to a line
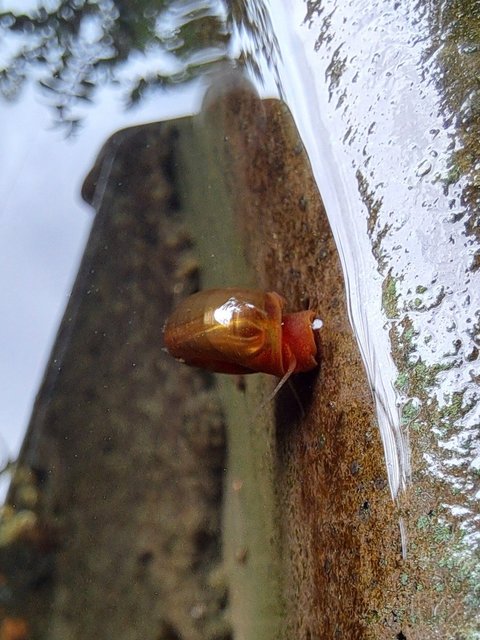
[400, 147]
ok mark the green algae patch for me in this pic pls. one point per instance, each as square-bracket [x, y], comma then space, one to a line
[390, 296]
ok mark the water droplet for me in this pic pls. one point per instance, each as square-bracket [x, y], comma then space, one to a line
[423, 168]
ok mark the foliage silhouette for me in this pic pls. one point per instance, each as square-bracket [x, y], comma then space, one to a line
[80, 45]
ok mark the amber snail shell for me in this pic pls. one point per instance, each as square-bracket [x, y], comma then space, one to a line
[240, 331]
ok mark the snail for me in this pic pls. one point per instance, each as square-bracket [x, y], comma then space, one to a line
[241, 331]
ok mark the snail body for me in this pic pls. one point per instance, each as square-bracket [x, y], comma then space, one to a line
[241, 331]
